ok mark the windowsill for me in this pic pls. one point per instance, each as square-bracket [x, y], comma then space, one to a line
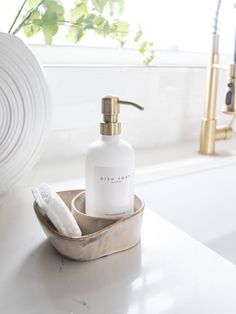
[151, 164]
[74, 56]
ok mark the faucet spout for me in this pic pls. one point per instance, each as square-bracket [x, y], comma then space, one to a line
[210, 132]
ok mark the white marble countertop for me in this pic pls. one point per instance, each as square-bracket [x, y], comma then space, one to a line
[168, 272]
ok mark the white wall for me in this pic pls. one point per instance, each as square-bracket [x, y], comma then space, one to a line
[173, 97]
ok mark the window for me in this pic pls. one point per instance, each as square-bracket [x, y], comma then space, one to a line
[183, 25]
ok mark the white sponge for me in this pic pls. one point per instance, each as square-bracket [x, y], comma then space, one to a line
[56, 210]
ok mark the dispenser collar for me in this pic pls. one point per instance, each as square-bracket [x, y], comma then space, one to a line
[110, 111]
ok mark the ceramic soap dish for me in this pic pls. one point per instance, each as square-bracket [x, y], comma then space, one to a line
[101, 236]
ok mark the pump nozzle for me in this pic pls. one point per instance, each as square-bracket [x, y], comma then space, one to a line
[124, 102]
[110, 111]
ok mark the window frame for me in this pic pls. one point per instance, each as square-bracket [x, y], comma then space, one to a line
[72, 56]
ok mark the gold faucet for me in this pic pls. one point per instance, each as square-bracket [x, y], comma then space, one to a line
[210, 132]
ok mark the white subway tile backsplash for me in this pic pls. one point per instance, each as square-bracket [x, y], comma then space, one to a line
[173, 98]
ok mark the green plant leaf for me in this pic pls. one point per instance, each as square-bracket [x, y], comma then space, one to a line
[49, 26]
[54, 6]
[33, 3]
[71, 34]
[119, 31]
[37, 22]
[138, 35]
[89, 21]
[111, 7]
[145, 46]
[79, 34]
[81, 1]
[149, 59]
[47, 37]
[121, 27]
[121, 5]
[106, 28]
[99, 21]
[101, 25]
[35, 15]
[147, 50]
[49, 22]
[78, 11]
[99, 5]
[75, 34]
[142, 47]
[116, 3]
[31, 29]
[72, 31]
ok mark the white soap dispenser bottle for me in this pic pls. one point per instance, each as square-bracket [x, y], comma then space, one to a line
[110, 166]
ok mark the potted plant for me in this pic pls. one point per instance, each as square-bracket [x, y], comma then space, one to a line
[99, 16]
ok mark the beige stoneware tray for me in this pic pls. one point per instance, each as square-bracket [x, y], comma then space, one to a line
[101, 236]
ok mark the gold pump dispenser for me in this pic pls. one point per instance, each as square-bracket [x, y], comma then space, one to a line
[110, 111]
